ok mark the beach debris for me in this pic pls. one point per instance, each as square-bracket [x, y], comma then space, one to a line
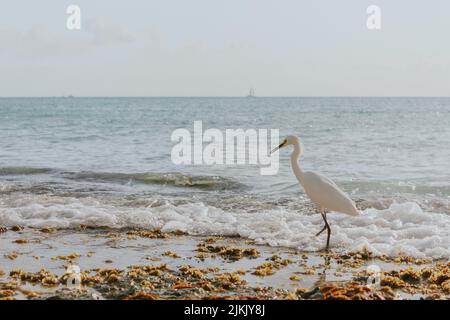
[147, 285]
[268, 268]
[143, 296]
[201, 256]
[3, 229]
[170, 254]
[264, 269]
[393, 282]
[47, 230]
[228, 280]
[21, 241]
[135, 233]
[192, 272]
[308, 271]
[410, 275]
[351, 291]
[151, 234]
[300, 291]
[30, 293]
[446, 286]
[228, 252]
[12, 255]
[153, 258]
[294, 278]
[43, 277]
[147, 270]
[183, 285]
[71, 257]
[409, 259]
[6, 293]
[212, 240]
[17, 228]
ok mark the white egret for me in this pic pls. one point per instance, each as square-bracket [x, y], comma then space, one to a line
[323, 192]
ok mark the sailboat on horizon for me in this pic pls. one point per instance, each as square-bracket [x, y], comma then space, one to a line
[251, 93]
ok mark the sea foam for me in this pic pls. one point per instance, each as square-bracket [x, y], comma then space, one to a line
[403, 228]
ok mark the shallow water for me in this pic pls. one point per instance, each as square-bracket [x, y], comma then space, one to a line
[106, 162]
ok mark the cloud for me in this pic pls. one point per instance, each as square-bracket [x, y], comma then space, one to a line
[106, 32]
[40, 41]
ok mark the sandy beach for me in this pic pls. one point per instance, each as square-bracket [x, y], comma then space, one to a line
[139, 264]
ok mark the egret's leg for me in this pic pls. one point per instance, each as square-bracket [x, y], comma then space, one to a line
[327, 226]
[323, 229]
[321, 211]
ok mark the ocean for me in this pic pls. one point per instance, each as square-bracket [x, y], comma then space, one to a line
[106, 162]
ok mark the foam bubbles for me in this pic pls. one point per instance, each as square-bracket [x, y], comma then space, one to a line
[403, 228]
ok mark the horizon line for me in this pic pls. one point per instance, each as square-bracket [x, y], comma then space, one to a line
[231, 97]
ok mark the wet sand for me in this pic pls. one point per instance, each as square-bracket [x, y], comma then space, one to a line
[139, 264]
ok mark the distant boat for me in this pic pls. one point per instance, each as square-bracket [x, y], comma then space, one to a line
[251, 93]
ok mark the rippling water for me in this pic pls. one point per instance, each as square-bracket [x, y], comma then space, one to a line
[106, 161]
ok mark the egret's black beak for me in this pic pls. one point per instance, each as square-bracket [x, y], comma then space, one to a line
[279, 147]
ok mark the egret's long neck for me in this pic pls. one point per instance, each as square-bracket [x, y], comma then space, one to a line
[295, 156]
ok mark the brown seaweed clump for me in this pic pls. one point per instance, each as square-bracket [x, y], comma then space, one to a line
[430, 280]
[143, 296]
[410, 260]
[141, 233]
[264, 269]
[12, 255]
[71, 257]
[43, 277]
[138, 272]
[268, 268]
[228, 280]
[192, 272]
[230, 253]
[47, 230]
[354, 291]
[438, 275]
[6, 294]
[21, 241]
[170, 254]
[150, 234]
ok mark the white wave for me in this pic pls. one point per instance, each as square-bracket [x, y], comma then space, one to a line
[401, 229]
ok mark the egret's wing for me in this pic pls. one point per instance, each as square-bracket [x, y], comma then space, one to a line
[325, 193]
[326, 180]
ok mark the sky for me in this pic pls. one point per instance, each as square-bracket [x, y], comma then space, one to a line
[223, 48]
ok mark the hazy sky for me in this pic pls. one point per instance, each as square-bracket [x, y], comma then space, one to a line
[222, 48]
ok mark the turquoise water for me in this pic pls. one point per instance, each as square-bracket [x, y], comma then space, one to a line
[117, 150]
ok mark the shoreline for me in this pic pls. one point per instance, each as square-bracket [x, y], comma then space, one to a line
[143, 264]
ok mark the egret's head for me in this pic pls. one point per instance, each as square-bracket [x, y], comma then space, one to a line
[294, 140]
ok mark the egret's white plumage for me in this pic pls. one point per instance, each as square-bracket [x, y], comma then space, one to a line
[322, 191]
